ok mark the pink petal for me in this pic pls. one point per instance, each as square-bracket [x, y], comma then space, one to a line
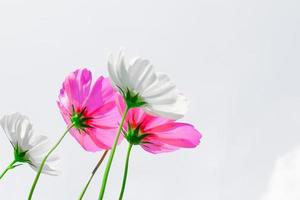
[102, 93]
[120, 104]
[77, 86]
[105, 138]
[106, 128]
[165, 135]
[108, 90]
[85, 141]
[156, 146]
[64, 112]
[182, 135]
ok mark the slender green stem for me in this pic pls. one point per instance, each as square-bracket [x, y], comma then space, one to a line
[92, 175]
[10, 166]
[125, 172]
[111, 156]
[44, 161]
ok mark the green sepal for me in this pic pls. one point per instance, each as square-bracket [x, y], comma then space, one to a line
[135, 136]
[20, 155]
[132, 99]
[79, 121]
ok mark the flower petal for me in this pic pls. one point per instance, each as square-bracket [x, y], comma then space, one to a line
[155, 89]
[76, 87]
[85, 141]
[175, 110]
[136, 69]
[14, 126]
[113, 67]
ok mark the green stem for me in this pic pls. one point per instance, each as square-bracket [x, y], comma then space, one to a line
[93, 173]
[111, 156]
[44, 161]
[125, 172]
[10, 166]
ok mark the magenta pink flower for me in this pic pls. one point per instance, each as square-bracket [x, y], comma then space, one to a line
[91, 110]
[157, 134]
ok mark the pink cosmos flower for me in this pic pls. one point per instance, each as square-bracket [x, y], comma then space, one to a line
[91, 110]
[157, 134]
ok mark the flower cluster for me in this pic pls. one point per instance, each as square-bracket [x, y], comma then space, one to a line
[134, 103]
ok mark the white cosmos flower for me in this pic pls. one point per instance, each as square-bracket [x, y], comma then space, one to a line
[28, 147]
[155, 89]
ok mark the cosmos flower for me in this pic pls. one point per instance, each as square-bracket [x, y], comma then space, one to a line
[154, 134]
[141, 86]
[91, 110]
[157, 134]
[28, 147]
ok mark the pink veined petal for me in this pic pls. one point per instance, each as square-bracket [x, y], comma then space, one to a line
[106, 128]
[151, 121]
[168, 126]
[183, 135]
[120, 104]
[135, 116]
[105, 137]
[84, 78]
[178, 142]
[64, 100]
[65, 113]
[106, 119]
[101, 94]
[101, 98]
[156, 150]
[99, 141]
[155, 146]
[85, 141]
[108, 92]
[95, 100]
[77, 86]
[105, 109]
[152, 144]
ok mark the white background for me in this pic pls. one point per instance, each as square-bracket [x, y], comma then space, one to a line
[237, 61]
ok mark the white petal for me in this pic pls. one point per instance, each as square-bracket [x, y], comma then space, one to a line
[48, 169]
[136, 69]
[162, 84]
[12, 122]
[167, 93]
[4, 125]
[39, 139]
[163, 92]
[37, 154]
[122, 70]
[40, 148]
[112, 71]
[26, 135]
[173, 111]
[12, 126]
[146, 80]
